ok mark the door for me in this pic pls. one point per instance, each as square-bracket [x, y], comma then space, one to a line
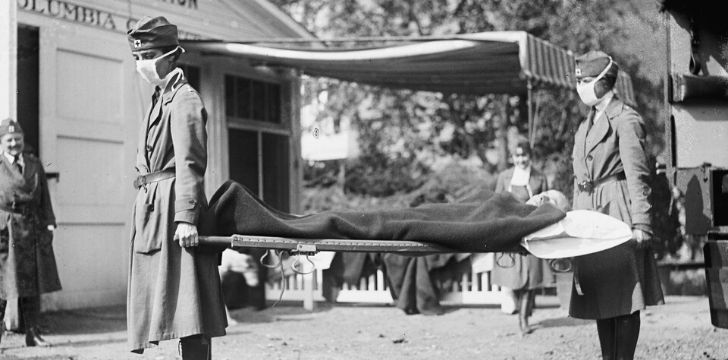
[87, 126]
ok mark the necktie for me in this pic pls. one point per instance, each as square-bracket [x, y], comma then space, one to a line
[155, 96]
[16, 162]
[590, 119]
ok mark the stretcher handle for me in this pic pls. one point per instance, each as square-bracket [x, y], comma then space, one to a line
[221, 242]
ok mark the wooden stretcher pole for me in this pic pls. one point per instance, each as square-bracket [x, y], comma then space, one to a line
[221, 242]
[312, 246]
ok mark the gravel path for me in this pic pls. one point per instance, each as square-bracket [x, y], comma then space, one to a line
[679, 330]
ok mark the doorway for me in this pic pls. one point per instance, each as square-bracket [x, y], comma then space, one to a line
[28, 86]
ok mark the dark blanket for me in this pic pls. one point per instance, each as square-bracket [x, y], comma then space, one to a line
[486, 223]
[413, 280]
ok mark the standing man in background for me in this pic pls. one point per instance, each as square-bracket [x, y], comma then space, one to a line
[611, 173]
[27, 263]
[174, 286]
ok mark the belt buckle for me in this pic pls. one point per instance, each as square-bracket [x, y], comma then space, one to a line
[586, 186]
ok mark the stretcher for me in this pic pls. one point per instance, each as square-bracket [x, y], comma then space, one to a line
[581, 232]
[297, 246]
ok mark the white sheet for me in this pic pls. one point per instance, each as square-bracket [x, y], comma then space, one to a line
[581, 232]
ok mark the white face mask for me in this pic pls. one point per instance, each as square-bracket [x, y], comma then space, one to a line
[148, 69]
[587, 92]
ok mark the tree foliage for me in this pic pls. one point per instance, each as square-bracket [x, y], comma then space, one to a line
[403, 133]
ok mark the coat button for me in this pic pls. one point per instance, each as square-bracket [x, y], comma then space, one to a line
[589, 157]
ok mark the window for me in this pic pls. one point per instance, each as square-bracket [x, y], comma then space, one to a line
[192, 73]
[251, 99]
[258, 139]
[29, 86]
[260, 161]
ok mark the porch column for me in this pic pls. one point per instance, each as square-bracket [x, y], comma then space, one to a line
[8, 58]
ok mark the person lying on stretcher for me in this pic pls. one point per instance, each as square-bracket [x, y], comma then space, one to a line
[486, 222]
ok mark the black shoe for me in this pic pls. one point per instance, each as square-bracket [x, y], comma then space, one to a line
[33, 338]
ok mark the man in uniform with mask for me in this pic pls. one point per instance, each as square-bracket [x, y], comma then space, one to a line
[611, 172]
[174, 287]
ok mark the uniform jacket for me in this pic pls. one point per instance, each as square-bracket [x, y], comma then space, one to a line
[623, 279]
[27, 262]
[525, 271]
[173, 292]
[611, 147]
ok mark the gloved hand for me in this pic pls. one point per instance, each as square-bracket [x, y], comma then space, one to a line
[641, 237]
[186, 234]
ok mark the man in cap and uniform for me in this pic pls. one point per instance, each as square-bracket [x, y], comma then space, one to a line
[611, 172]
[174, 286]
[27, 263]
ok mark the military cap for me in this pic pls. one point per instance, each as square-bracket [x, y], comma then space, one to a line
[152, 33]
[593, 63]
[10, 126]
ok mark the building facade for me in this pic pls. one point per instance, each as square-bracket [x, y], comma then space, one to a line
[81, 103]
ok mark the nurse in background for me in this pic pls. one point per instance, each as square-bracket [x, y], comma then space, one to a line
[27, 263]
[520, 275]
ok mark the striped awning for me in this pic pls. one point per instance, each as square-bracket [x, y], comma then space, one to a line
[482, 63]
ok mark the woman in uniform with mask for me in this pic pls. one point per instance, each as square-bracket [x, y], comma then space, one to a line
[174, 286]
[611, 176]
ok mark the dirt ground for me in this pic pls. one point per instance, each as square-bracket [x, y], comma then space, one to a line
[680, 329]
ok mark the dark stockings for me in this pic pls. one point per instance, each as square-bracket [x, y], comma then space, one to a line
[30, 314]
[30, 311]
[195, 347]
[618, 336]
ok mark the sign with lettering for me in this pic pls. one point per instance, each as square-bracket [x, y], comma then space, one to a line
[186, 3]
[69, 11]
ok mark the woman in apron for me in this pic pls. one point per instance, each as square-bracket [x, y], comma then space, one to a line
[520, 275]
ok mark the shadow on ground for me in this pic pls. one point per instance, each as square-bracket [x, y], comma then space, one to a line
[85, 321]
[563, 322]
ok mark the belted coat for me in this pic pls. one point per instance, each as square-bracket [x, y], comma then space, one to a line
[624, 279]
[173, 292]
[27, 262]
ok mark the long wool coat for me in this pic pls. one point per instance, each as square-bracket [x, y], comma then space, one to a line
[525, 271]
[172, 292]
[27, 262]
[624, 279]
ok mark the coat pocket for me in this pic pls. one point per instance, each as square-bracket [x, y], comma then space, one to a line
[147, 222]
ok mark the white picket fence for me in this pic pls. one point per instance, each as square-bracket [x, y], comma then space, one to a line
[471, 289]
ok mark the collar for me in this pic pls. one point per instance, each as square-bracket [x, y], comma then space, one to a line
[11, 158]
[602, 105]
[171, 83]
[520, 176]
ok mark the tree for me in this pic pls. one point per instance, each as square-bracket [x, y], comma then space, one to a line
[403, 133]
